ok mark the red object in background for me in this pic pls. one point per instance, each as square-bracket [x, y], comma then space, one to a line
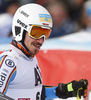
[1, 51]
[64, 66]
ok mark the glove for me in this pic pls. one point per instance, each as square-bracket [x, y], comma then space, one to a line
[61, 91]
[74, 88]
[82, 91]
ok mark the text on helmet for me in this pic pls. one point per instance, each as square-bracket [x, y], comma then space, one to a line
[22, 24]
[23, 13]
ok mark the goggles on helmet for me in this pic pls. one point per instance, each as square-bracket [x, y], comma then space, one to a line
[37, 32]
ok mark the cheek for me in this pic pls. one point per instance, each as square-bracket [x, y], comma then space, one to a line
[27, 40]
[28, 44]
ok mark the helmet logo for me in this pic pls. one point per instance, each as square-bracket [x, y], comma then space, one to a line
[45, 18]
[23, 13]
[22, 24]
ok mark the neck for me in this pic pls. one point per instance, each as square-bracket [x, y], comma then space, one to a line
[19, 46]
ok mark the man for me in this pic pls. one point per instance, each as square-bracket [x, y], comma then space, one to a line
[20, 76]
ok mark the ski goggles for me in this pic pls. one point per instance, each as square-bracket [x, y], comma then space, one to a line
[37, 32]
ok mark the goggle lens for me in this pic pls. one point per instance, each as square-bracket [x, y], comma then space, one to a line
[37, 32]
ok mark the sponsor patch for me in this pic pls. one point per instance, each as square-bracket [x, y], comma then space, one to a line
[9, 63]
[45, 18]
[23, 98]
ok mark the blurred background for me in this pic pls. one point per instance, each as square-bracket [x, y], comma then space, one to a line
[69, 16]
[66, 54]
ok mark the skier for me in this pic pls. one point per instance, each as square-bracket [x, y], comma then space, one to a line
[20, 76]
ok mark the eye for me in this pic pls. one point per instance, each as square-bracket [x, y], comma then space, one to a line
[43, 36]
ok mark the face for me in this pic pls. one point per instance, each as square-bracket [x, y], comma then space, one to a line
[33, 45]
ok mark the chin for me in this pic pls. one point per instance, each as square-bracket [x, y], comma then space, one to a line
[35, 52]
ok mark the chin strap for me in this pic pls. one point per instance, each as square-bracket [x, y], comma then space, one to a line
[16, 44]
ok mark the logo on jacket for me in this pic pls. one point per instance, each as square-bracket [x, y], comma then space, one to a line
[9, 63]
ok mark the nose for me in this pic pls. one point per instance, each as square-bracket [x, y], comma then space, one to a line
[41, 40]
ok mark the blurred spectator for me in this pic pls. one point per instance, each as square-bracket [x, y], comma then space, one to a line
[75, 7]
[3, 6]
[62, 24]
[6, 18]
[22, 2]
[42, 2]
[86, 16]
